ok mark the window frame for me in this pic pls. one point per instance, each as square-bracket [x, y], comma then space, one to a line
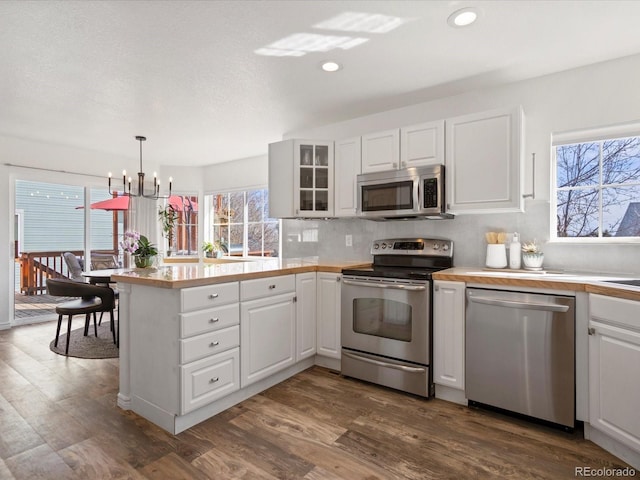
[594, 135]
[210, 217]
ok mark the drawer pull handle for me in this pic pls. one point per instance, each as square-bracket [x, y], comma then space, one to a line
[271, 287]
[213, 295]
[214, 320]
[214, 344]
[214, 380]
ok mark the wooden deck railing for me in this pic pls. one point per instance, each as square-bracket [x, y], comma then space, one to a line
[36, 267]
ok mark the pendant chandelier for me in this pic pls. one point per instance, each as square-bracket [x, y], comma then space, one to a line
[126, 182]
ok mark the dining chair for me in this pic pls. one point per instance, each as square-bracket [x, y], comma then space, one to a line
[92, 299]
[105, 261]
[75, 266]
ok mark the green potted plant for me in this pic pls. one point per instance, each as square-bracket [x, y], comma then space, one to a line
[215, 249]
[143, 251]
[168, 217]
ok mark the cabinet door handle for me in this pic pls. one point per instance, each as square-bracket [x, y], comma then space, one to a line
[214, 380]
[213, 295]
[214, 344]
[404, 164]
[214, 320]
[271, 287]
[337, 279]
[592, 331]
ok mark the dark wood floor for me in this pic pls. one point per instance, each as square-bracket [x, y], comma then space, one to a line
[59, 419]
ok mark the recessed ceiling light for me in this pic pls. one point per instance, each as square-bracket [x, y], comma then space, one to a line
[331, 66]
[462, 17]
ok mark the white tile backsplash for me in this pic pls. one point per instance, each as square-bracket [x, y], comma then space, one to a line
[326, 239]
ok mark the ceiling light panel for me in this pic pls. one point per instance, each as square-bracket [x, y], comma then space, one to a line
[362, 22]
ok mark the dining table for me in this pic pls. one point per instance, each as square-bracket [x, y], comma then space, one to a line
[103, 276]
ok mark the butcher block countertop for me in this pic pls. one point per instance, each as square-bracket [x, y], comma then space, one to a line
[575, 281]
[210, 271]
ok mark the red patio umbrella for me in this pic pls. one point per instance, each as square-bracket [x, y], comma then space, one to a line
[179, 204]
[116, 203]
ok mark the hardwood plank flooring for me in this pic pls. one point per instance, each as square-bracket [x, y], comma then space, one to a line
[59, 419]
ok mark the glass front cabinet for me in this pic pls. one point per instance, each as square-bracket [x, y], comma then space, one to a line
[309, 191]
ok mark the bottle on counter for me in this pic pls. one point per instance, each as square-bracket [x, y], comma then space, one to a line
[515, 252]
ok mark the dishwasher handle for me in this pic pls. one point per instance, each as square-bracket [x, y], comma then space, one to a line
[513, 304]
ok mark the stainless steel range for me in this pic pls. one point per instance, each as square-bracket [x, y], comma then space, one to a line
[387, 313]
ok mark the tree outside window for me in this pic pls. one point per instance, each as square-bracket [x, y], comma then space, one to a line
[241, 223]
[598, 189]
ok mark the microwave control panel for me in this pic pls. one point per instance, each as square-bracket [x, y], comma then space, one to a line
[430, 189]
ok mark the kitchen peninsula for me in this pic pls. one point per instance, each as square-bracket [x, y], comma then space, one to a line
[185, 354]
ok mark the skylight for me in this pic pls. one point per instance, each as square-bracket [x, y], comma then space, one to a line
[362, 22]
[300, 44]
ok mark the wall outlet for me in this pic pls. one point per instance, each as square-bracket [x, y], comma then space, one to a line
[348, 239]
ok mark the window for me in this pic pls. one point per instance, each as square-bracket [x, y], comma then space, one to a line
[179, 219]
[240, 226]
[598, 188]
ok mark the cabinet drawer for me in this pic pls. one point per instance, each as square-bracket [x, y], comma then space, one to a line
[267, 287]
[208, 296]
[208, 320]
[616, 311]
[210, 379]
[207, 344]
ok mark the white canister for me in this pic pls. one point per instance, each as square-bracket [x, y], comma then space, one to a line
[496, 255]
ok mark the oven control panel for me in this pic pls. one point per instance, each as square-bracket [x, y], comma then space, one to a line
[413, 246]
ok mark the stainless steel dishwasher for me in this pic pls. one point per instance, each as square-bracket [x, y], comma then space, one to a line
[520, 353]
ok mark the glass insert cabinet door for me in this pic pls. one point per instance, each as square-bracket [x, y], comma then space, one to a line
[314, 178]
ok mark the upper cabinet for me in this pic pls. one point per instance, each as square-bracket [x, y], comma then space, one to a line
[422, 144]
[381, 151]
[484, 162]
[405, 147]
[301, 179]
[347, 168]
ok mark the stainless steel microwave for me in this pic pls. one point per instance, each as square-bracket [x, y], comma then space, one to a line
[417, 192]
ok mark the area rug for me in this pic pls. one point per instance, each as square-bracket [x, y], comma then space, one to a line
[89, 346]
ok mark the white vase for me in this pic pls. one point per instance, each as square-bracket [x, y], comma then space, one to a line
[532, 261]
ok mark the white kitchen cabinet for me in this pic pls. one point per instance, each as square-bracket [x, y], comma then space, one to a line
[614, 369]
[448, 333]
[422, 144]
[267, 330]
[305, 315]
[381, 151]
[348, 165]
[328, 314]
[301, 179]
[484, 154]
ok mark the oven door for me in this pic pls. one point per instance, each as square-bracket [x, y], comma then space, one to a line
[386, 317]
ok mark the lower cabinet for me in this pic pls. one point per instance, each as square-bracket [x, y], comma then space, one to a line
[267, 336]
[448, 333]
[209, 379]
[328, 314]
[614, 368]
[305, 315]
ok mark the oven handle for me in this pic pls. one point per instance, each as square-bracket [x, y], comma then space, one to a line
[385, 364]
[411, 288]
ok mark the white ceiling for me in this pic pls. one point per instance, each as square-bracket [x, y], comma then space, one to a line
[184, 73]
